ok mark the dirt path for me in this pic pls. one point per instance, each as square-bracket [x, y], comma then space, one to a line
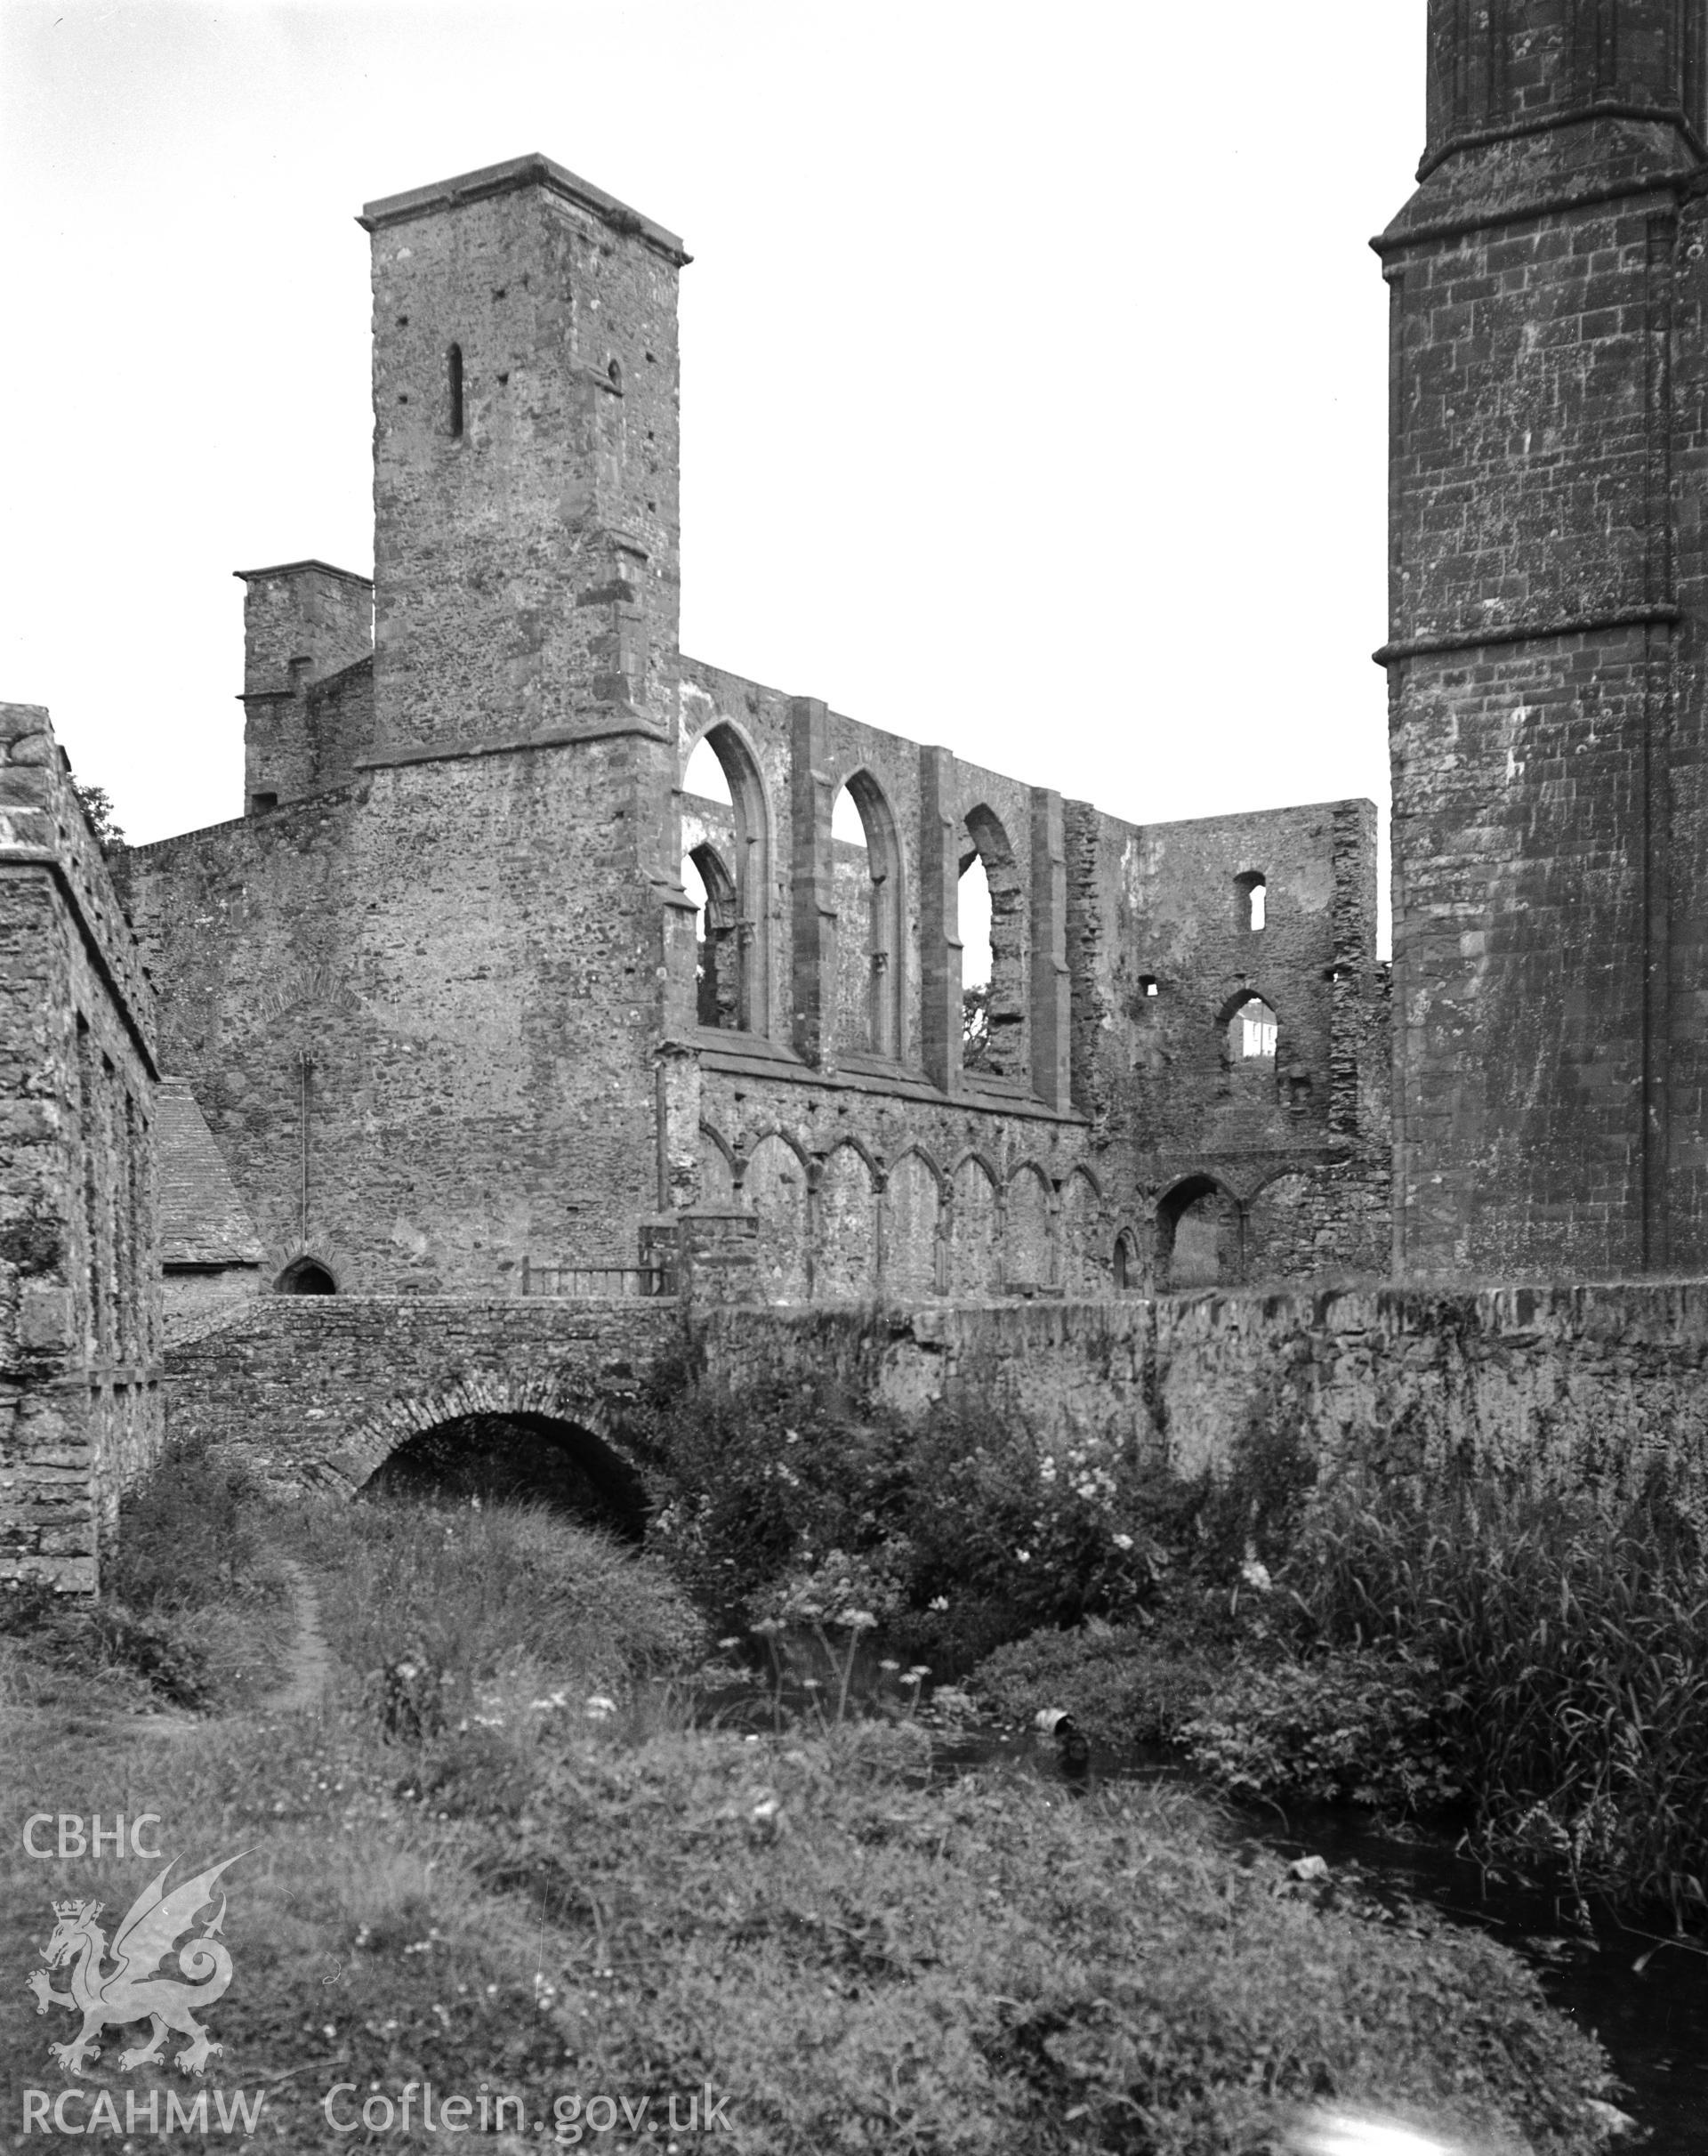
[308, 1667]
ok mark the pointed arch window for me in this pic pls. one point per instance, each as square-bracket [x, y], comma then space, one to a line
[994, 1009]
[867, 868]
[726, 834]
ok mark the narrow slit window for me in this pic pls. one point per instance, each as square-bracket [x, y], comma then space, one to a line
[454, 368]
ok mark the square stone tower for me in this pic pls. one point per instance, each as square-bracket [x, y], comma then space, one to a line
[1547, 614]
[526, 460]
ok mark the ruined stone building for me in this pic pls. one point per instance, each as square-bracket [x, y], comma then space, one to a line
[475, 993]
[80, 1254]
[545, 957]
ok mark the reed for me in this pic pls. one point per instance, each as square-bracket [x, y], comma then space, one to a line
[1569, 1636]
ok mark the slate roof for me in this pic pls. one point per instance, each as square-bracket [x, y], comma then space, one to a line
[203, 1221]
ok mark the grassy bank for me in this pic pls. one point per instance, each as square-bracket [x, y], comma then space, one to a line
[557, 1888]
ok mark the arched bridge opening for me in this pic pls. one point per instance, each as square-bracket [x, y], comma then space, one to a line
[527, 1459]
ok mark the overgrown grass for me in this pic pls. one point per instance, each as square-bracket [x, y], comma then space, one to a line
[483, 1591]
[568, 1901]
[195, 1612]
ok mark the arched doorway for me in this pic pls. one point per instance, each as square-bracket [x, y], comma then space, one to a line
[305, 1276]
[1200, 1235]
[519, 1459]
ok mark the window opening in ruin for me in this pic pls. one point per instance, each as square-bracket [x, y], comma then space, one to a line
[1253, 899]
[455, 368]
[1253, 1031]
[259, 804]
[1126, 1263]
[1147, 984]
[975, 964]
[704, 775]
[993, 969]
[867, 879]
[305, 1276]
[717, 969]
[726, 835]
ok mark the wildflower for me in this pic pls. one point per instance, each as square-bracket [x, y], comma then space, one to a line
[1024, 1556]
[598, 1705]
[939, 1602]
[1255, 1573]
[891, 1667]
[1123, 1542]
[857, 1620]
[726, 1644]
[768, 1807]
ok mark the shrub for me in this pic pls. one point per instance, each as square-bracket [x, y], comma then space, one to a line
[186, 1535]
[1122, 1683]
[977, 1533]
[1355, 1727]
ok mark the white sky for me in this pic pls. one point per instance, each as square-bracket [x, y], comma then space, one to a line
[1034, 360]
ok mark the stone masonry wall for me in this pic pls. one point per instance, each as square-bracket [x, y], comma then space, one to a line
[308, 679]
[527, 526]
[1548, 610]
[465, 953]
[1583, 1385]
[80, 1303]
[438, 994]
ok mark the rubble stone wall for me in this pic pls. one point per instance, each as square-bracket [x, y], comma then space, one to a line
[80, 1296]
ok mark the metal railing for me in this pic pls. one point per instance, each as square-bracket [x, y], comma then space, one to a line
[595, 1282]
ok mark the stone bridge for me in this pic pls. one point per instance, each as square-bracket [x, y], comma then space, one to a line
[321, 1390]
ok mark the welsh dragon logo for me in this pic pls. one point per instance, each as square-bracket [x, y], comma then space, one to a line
[135, 1988]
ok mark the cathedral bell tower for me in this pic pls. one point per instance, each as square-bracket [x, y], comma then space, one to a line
[1548, 605]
